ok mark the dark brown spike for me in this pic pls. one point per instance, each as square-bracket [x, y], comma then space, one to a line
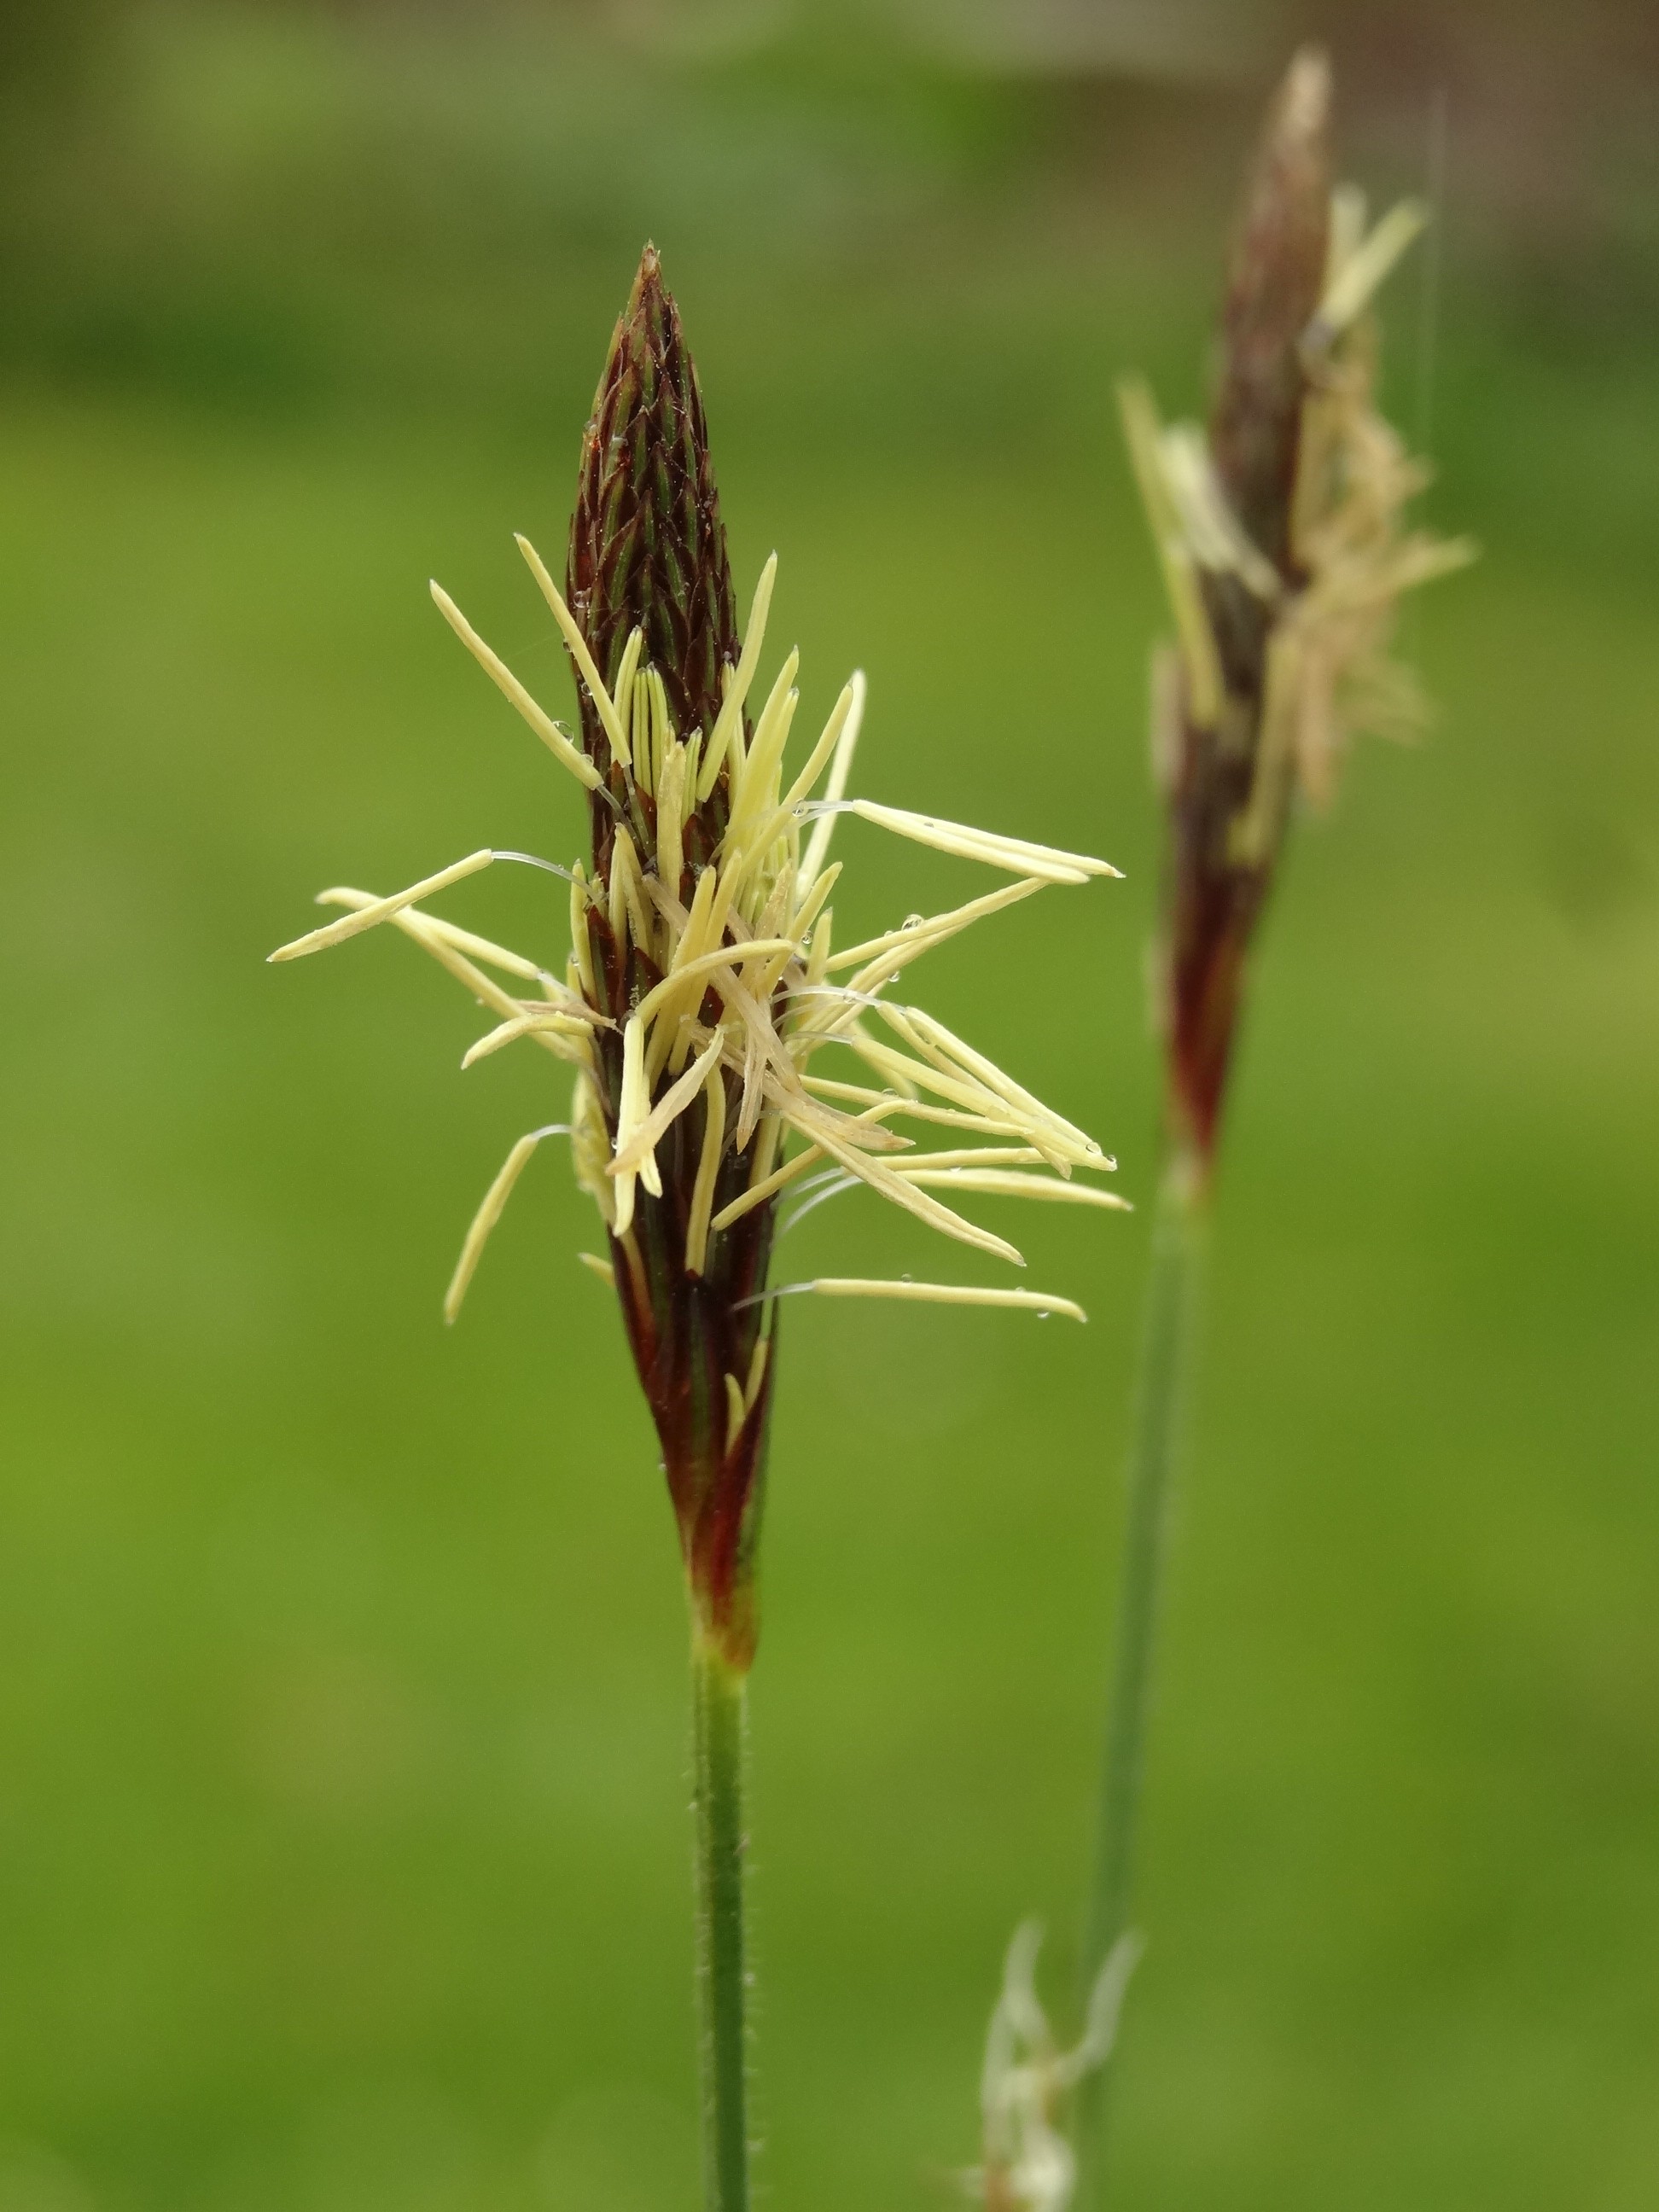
[648, 548]
[1273, 284]
[647, 551]
[1214, 895]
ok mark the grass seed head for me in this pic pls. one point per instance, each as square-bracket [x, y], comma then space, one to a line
[700, 991]
[1282, 532]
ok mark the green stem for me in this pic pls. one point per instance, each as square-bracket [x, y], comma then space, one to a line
[717, 1733]
[1165, 1355]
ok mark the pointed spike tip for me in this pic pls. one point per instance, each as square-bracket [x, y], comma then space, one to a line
[648, 548]
[648, 276]
[1304, 99]
[1276, 275]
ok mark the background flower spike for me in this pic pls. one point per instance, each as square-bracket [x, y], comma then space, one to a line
[1282, 536]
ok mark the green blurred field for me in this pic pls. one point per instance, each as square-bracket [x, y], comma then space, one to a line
[343, 1833]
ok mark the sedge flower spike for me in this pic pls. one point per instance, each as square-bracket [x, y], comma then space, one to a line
[704, 986]
[1282, 536]
[1282, 532]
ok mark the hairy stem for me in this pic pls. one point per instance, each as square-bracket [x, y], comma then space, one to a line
[717, 1733]
[1165, 1357]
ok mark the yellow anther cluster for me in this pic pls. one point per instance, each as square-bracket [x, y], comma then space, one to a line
[756, 938]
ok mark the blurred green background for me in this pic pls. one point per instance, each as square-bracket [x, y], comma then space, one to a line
[342, 1785]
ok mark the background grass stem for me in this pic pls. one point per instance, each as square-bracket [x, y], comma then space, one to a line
[1165, 1359]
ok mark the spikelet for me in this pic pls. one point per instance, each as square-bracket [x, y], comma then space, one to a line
[1282, 537]
[701, 989]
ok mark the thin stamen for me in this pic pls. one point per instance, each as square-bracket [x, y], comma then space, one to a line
[530, 1024]
[424, 928]
[379, 910]
[1353, 285]
[509, 686]
[939, 1294]
[583, 658]
[703, 1194]
[882, 1178]
[629, 663]
[1017, 854]
[643, 1141]
[934, 928]
[1142, 434]
[490, 1212]
[708, 963]
[730, 718]
[767, 1187]
[818, 844]
[1001, 1182]
[580, 945]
